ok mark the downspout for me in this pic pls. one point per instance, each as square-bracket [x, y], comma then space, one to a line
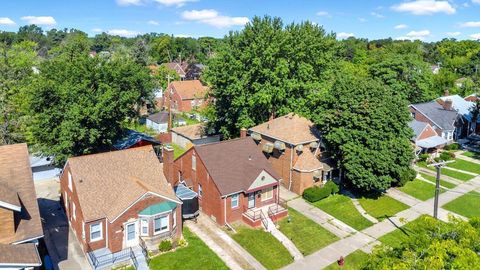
[225, 215]
[291, 166]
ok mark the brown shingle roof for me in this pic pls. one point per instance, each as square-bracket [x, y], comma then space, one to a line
[15, 173]
[191, 132]
[290, 128]
[189, 89]
[19, 255]
[307, 162]
[9, 195]
[235, 164]
[108, 183]
[179, 68]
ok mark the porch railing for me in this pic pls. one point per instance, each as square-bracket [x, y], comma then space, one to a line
[264, 220]
[143, 246]
[111, 258]
[134, 258]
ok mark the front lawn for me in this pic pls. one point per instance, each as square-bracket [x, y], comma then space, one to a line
[454, 174]
[396, 237]
[467, 205]
[433, 179]
[464, 165]
[342, 208]
[263, 246]
[306, 234]
[196, 255]
[354, 261]
[471, 154]
[419, 189]
[382, 207]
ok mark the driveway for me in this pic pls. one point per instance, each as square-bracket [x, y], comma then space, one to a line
[61, 243]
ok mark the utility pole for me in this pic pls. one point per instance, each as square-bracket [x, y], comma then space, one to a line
[438, 166]
[169, 103]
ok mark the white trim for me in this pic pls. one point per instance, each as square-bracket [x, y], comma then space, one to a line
[20, 264]
[28, 240]
[237, 195]
[174, 217]
[70, 180]
[134, 241]
[101, 232]
[141, 226]
[141, 197]
[164, 230]
[10, 206]
[282, 140]
[74, 210]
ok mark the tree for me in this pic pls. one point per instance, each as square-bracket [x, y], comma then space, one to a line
[77, 103]
[365, 126]
[268, 69]
[162, 75]
[102, 42]
[432, 244]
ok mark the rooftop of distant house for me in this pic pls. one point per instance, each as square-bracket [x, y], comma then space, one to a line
[192, 89]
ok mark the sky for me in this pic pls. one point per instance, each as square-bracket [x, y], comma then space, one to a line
[427, 20]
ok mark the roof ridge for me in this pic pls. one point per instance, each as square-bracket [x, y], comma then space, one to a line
[112, 151]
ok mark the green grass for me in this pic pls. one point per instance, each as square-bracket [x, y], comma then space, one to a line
[306, 234]
[400, 235]
[189, 120]
[196, 255]
[354, 261]
[263, 246]
[464, 165]
[471, 154]
[419, 189]
[433, 179]
[342, 208]
[450, 173]
[133, 125]
[382, 207]
[467, 205]
[177, 150]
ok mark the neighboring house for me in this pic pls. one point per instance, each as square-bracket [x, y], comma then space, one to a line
[233, 179]
[185, 96]
[179, 68]
[194, 71]
[446, 121]
[119, 200]
[472, 98]
[43, 168]
[463, 107]
[132, 138]
[293, 147]
[425, 138]
[186, 136]
[159, 121]
[20, 223]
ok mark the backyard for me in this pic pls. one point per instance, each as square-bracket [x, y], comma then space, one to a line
[382, 207]
[307, 235]
[263, 246]
[341, 207]
[419, 189]
[196, 255]
[467, 205]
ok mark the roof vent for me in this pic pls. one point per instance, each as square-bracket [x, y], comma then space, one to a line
[249, 157]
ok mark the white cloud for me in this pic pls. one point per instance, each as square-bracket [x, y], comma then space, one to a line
[400, 26]
[378, 15]
[130, 2]
[6, 21]
[178, 3]
[425, 7]
[39, 20]
[152, 22]
[475, 36]
[122, 32]
[213, 18]
[324, 14]
[470, 24]
[453, 34]
[476, 1]
[97, 30]
[415, 35]
[343, 35]
[362, 20]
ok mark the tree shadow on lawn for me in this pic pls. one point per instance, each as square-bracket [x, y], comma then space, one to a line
[405, 231]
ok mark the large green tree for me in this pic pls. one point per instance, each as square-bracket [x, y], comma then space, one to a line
[76, 104]
[268, 69]
[365, 126]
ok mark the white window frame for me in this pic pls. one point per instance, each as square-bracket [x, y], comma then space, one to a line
[164, 230]
[100, 223]
[83, 229]
[174, 217]
[65, 199]
[70, 181]
[144, 224]
[74, 210]
[200, 190]
[236, 196]
[267, 191]
[194, 162]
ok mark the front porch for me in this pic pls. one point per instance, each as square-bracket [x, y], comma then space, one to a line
[105, 259]
[258, 216]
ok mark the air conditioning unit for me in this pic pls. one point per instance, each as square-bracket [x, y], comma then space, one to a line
[268, 148]
[299, 148]
[256, 136]
[314, 145]
[279, 145]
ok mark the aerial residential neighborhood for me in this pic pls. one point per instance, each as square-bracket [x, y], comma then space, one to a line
[205, 134]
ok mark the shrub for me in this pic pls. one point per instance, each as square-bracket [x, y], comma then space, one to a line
[453, 146]
[316, 193]
[332, 186]
[182, 242]
[423, 157]
[406, 175]
[165, 245]
[445, 155]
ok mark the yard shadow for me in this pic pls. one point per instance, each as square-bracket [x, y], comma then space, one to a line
[403, 230]
[55, 228]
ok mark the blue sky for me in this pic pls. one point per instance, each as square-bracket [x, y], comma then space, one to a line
[427, 20]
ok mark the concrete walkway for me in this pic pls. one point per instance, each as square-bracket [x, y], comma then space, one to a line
[434, 174]
[402, 197]
[362, 211]
[287, 195]
[286, 242]
[460, 156]
[461, 171]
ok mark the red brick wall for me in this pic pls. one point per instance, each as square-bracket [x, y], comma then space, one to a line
[427, 133]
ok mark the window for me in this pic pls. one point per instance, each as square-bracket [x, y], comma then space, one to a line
[200, 190]
[69, 181]
[161, 224]
[144, 226]
[174, 217]
[194, 163]
[450, 136]
[73, 211]
[96, 231]
[234, 202]
[267, 194]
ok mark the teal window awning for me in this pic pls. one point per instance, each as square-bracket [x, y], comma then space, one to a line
[158, 208]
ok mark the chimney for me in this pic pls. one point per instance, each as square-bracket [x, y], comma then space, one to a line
[167, 155]
[243, 132]
[448, 104]
[446, 93]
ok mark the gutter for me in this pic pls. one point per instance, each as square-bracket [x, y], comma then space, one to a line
[291, 167]
[225, 215]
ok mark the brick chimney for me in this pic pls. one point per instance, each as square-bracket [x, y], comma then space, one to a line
[446, 93]
[167, 155]
[243, 132]
[448, 104]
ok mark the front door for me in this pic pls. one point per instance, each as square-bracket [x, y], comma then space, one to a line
[251, 200]
[131, 234]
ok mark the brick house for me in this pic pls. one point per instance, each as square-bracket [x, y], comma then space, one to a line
[179, 68]
[118, 200]
[233, 180]
[20, 224]
[293, 146]
[196, 134]
[426, 138]
[185, 96]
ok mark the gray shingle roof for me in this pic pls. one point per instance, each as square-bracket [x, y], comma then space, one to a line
[444, 119]
[159, 117]
[417, 127]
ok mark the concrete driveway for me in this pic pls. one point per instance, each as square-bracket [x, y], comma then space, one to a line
[61, 243]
